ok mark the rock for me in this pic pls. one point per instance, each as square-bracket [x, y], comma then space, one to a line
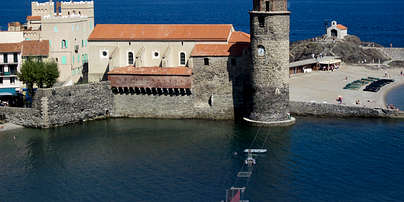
[350, 50]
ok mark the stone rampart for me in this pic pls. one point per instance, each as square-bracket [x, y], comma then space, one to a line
[65, 105]
[172, 107]
[27, 117]
[331, 110]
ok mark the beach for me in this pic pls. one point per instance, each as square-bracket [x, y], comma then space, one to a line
[326, 86]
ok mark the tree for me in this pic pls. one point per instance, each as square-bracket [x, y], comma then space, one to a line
[39, 73]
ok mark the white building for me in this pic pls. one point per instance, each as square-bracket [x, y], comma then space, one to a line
[337, 31]
[11, 60]
[11, 37]
[67, 26]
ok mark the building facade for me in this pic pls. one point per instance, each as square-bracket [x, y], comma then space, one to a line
[66, 25]
[337, 31]
[12, 56]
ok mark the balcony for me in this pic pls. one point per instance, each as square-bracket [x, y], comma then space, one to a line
[8, 74]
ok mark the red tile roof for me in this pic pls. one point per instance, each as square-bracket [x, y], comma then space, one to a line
[342, 27]
[36, 18]
[240, 37]
[237, 43]
[35, 48]
[10, 47]
[168, 32]
[170, 71]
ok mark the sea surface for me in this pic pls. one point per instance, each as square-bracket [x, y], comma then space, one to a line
[194, 160]
[396, 97]
[371, 20]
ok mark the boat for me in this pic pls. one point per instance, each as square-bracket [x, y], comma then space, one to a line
[256, 151]
[250, 161]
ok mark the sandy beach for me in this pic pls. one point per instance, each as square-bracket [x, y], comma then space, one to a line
[8, 126]
[325, 87]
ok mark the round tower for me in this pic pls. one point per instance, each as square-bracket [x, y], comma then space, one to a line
[269, 82]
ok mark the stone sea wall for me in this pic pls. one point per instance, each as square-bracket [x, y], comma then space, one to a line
[331, 110]
[63, 105]
[66, 105]
[172, 107]
[22, 116]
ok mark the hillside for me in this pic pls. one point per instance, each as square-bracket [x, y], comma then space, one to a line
[350, 50]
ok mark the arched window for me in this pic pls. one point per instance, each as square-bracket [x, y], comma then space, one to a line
[130, 58]
[64, 44]
[334, 33]
[261, 51]
[268, 6]
[182, 58]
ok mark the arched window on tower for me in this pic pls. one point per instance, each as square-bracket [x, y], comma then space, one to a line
[182, 58]
[130, 58]
[267, 6]
[261, 21]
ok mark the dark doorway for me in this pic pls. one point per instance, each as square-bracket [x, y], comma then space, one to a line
[334, 33]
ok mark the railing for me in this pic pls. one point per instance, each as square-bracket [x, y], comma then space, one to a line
[8, 73]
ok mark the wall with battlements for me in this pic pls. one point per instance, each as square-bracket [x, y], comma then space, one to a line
[42, 9]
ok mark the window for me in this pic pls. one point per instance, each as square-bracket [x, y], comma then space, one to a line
[78, 59]
[73, 59]
[233, 62]
[156, 55]
[64, 60]
[68, 12]
[261, 51]
[206, 61]
[182, 58]
[5, 58]
[1, 80]
[55, 29]
[50, 44]
[267, 6]
[130, 58]
[261, 20]
[104, 54]
[15, 57]
[64, 44]
[12, 80]
[82, 43]
[12, 70]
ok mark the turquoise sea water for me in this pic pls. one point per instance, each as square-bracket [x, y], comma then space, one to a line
[396, 97]
[191, 160]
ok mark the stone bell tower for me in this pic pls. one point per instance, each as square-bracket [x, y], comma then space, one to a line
[269, 82]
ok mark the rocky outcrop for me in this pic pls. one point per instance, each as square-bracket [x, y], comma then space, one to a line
[350, 50]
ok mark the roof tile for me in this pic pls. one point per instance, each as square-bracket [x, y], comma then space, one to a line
[342, 27]
[35, 48]
[10, 47]
[165, 32]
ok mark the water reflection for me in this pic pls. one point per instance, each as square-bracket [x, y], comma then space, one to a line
[182, 160]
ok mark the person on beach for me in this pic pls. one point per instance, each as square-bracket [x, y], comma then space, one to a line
[401, 73]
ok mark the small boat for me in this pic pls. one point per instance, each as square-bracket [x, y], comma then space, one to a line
[250, 161]
[256, 151]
